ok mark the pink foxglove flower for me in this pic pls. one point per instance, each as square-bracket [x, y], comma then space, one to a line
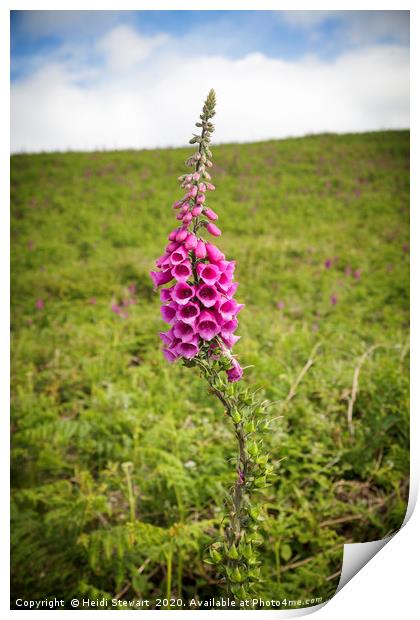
[201, 311]
[199, 306]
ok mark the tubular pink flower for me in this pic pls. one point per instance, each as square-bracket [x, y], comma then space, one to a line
[231, 290]
[208, 273]
[167, 337]
[208, 295]
[169, 313]
[224, 281]
[214, 253]
[235, 373]
[202, 188]
[196, 176]
[212, 215]
[228, 309]
[161, 277]
[207, 325]
[223, 264]
[172, 235]
[229, 327]
[170, 356]
[171, 247]
[159, 261]
[187, 218]
[179, 255]
[184, 331]
[200, 199]
[230, 339]
[182, 272]
[187, 349]
[201, 250]
[213, 229]
[182, 293]
[196, 211]
[166, 264]
[193, 191]
[166, 294]
[188, 313]
[174, 344]
[230, 267]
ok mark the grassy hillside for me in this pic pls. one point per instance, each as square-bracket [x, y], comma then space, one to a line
[120, 460]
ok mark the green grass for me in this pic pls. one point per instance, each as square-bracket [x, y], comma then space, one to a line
[91, 390]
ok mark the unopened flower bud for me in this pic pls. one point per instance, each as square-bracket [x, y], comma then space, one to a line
[213, 230]
[190, 242]
[182, 235]
[212, 215]
[200, 250]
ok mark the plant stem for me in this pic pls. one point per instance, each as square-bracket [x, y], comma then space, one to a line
[127, 467]
[233, 531]
[179, 572]
[277, 556]
[168, 577]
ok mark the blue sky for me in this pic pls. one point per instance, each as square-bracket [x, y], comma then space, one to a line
[125, 59]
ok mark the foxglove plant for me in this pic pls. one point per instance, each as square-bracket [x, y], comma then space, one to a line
[200, 307]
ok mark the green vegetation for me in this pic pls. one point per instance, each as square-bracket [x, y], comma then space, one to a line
[119, 460]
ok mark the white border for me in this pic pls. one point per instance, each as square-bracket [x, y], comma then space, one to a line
[386, 585]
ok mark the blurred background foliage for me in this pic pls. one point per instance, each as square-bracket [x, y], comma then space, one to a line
[120, 461]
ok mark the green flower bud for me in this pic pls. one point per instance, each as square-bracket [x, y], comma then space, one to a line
[253, 449]
[215, 555]
[249, 427]
[236, 416]
[233, 553]
[262, 459]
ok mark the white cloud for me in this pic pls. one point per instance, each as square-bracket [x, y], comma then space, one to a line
[124, 48]
[156, 99]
